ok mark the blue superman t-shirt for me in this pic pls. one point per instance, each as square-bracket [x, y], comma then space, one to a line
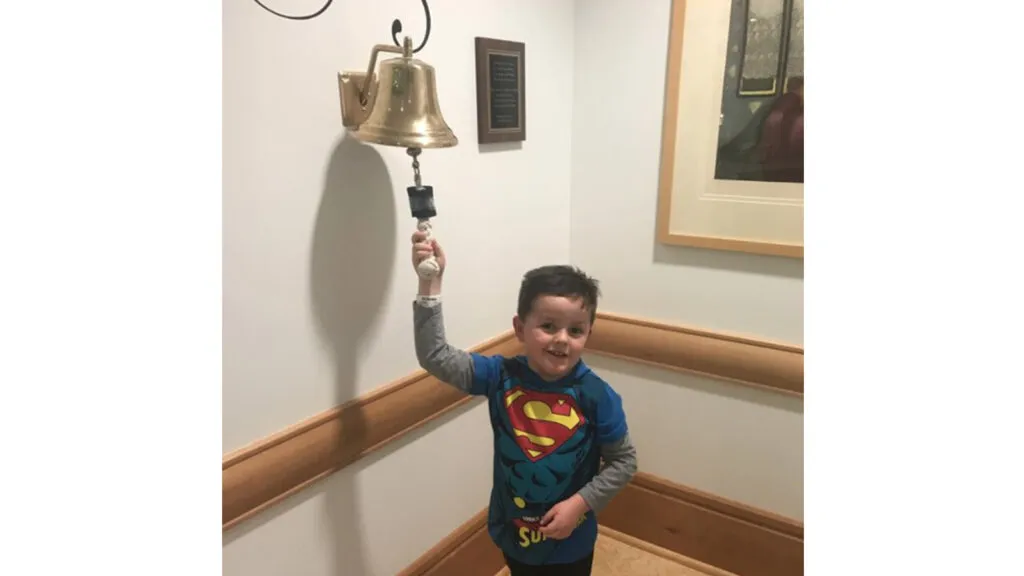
[547, 438]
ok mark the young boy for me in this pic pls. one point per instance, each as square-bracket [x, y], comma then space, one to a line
[553, 419]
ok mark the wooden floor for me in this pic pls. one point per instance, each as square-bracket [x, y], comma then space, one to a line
[620, 555]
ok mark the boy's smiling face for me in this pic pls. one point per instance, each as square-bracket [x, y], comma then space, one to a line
[554, 334]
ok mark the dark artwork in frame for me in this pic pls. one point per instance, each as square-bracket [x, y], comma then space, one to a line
[500, 90]
[761, 129]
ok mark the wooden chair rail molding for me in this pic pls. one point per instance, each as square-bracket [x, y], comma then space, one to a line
[761, 363]
[707, 530]
[260, 475]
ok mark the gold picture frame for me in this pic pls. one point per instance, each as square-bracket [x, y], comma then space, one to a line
[696, 206]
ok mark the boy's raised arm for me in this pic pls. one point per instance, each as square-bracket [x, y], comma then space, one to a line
[439, 358]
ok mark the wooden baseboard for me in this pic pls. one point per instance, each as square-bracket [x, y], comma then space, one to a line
[700, 530]
[260, 475]
[468, 551]
[729, 535]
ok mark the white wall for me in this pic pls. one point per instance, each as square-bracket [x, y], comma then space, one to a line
[619, 83]
[731, 440]
[741, 444]
[317, 279]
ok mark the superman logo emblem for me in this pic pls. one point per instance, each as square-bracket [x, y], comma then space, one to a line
[541, 421]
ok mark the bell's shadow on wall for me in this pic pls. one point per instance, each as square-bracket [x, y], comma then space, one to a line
[352, 256]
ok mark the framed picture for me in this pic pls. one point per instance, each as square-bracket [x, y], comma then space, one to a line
[500, 90]
[732, 168]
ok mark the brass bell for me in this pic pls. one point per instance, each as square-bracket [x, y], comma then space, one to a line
[400, 109]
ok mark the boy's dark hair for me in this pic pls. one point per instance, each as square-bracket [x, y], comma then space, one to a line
[558, 280]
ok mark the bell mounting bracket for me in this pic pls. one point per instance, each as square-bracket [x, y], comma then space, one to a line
[350, 89]
[357, 90]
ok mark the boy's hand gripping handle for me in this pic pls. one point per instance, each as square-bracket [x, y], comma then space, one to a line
[428, 268]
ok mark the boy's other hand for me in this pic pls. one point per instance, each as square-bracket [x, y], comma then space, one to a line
[563, 518]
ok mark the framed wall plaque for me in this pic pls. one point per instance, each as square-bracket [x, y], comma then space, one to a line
[500, 90]
[732, 153]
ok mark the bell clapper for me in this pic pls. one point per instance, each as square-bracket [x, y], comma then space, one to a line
[421, 204]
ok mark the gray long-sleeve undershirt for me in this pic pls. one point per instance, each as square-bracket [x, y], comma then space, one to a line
[455, 367]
